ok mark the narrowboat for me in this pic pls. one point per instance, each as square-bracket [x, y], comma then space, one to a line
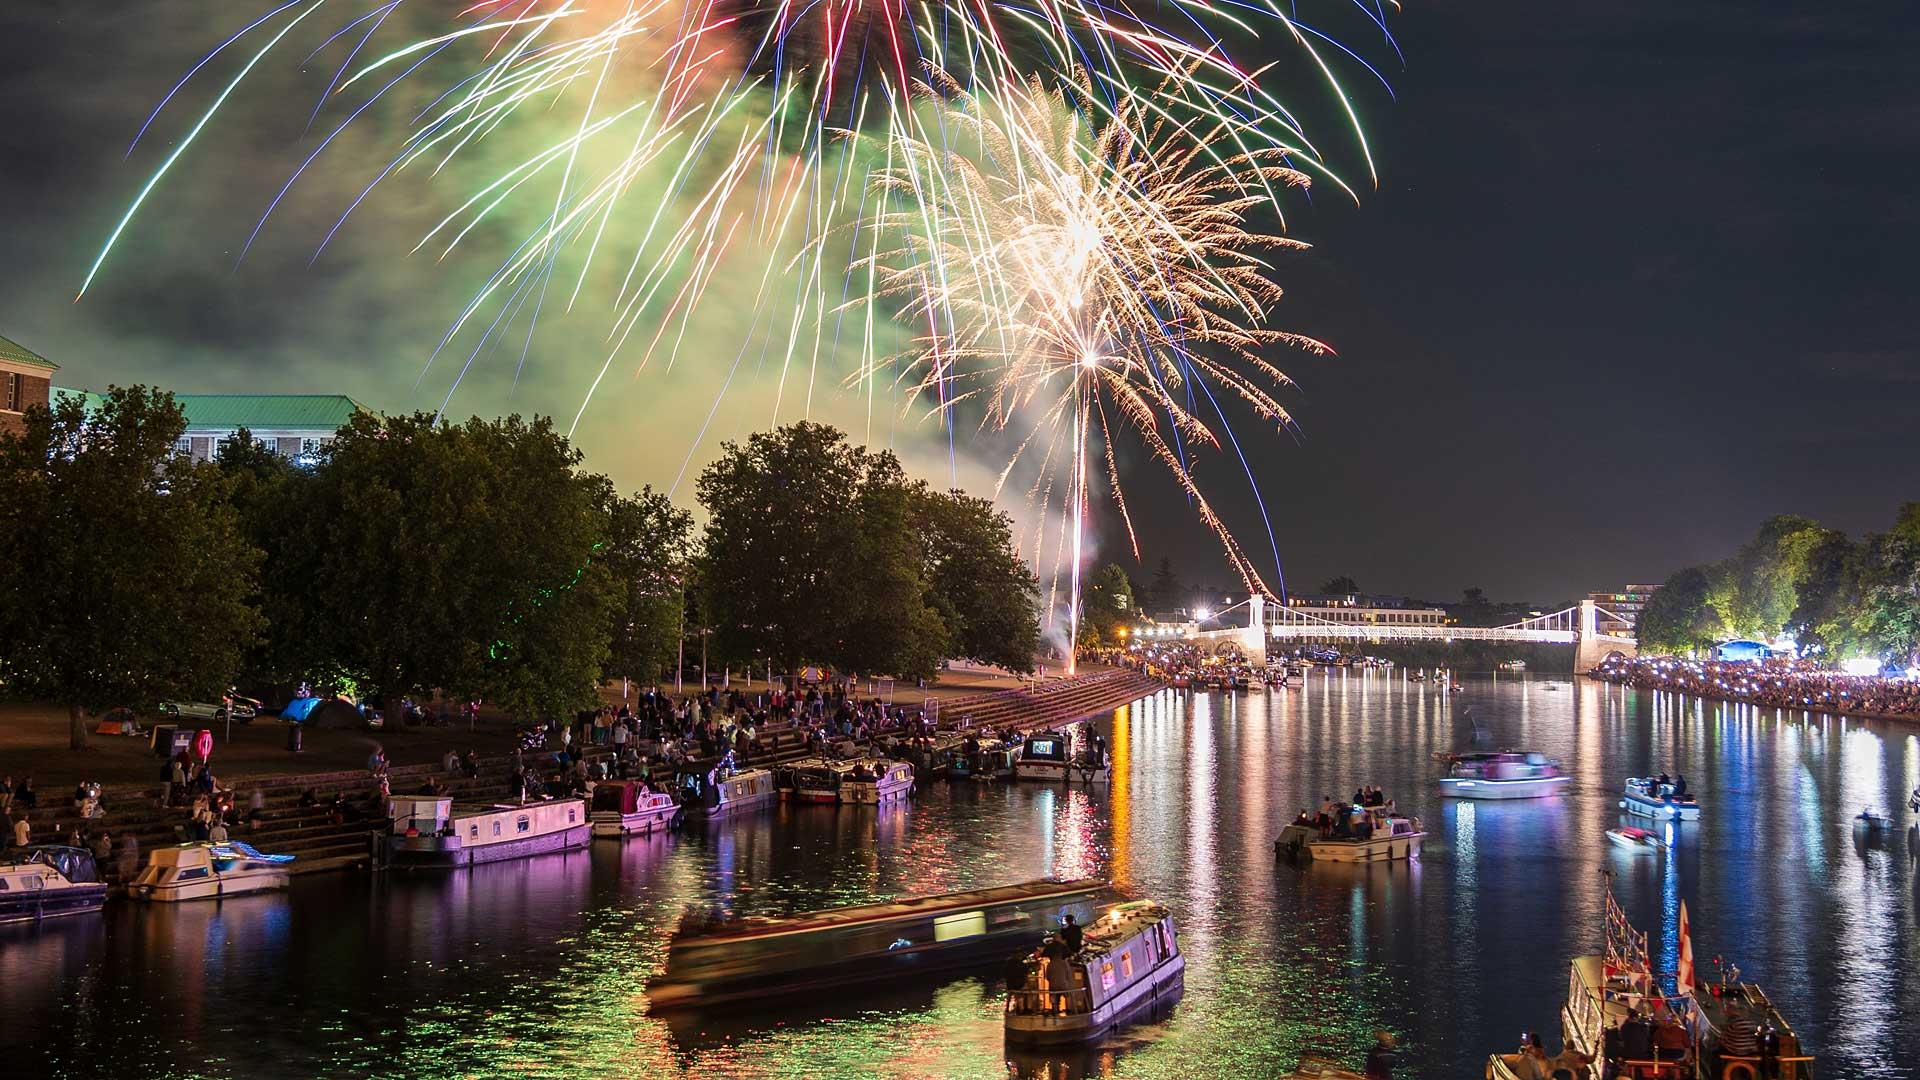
[1377, 835]
[713, 961]
[1658, 797]
[876, 782]
[630, 808]
[432, 833]
[717, 792]
[811, 780]
[1509, 774]
[1718, 1003]
[207, 871]
[48, 881]
[1049, 755]
[1129, 961]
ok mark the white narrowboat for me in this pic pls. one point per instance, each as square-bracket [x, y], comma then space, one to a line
[208, 871]
[48, 881]
[714, 793]
[876, 782]
[1509, 774]
[1374, 834]
[630, 808]
[432, 833]
[1657, 797]
[1129, 961]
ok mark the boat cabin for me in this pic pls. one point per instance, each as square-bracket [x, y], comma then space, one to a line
[1129, 958]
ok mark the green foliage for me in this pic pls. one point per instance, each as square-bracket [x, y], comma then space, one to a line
[977, 581]
[1679, 618]
[125, 577]
[1107, 604]
[272, 496]
[1341, 586]
[893, 626]
[1762, 576]
[1168, 593]
[649, 541]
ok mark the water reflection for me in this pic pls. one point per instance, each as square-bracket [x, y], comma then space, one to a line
[538, 968]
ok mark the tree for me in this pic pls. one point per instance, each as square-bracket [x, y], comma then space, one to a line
[892, 627]
[272, 497]
[124, 575]
[1168, 593]
[1829, 594]
[1341, 586]
[463, 558]
[1890, 605]
[1474, 608]
[648, 544]
[1679, 617]
[1764, 572]
[976, 579]
[1107, 602]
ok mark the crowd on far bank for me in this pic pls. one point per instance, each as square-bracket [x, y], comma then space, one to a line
[1779, 683]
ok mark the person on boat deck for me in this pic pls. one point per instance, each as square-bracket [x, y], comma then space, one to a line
[1670, 1039]
[1071, 933]
[1740, 1036]
[1636, 1037]
[1020, 968]
[1383, 1057]
[1533, 1058]
[1059, 975]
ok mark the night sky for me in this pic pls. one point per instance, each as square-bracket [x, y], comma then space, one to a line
[1635, 278]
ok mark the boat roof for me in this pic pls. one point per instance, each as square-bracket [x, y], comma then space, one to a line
[1119, 924]
[903, 907]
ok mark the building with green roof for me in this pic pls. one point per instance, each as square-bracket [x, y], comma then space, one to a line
[26, 378]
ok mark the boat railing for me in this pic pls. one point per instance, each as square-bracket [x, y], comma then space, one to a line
[1752, 1068]
[1657, 1067]
[1050, 1002]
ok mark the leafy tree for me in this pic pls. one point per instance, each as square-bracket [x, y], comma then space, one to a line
[272, 496]
[976, 579]
[463, 558]
[124, 575]
[1828, 593]
[649, 541]
[1341, 586]
[892, 626]
[1679, 617]
[1107, 601]
[1890, 608]
[1168, 593]
[1764, 573]
[1474, 608]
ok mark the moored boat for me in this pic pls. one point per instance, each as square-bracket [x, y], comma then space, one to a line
[1635, 841]
[431, 832]
[1129, 961]
[717, 962]
[1373, 834]
[876, 782]
[814, 780]
[1511, 665]
[717, 792]
[630, 808]
[1659, 797]
[1872, 822]
[1050, 755]
[207, 871]
[1509, 774]
[48, 881]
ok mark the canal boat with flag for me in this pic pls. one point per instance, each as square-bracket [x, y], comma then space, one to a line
[208, 871]
[1659, 798]
[432, 832]
[1129, 962]
[714, 961]
[630, 808]
[1507, 774]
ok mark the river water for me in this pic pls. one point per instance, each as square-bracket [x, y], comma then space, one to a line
[537, 968]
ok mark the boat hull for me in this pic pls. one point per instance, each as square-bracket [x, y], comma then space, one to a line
[210, 888]
[864, 794]
[1659, 809]
[1159, 987]
[448, 853]
[1530, 788]
[613, 824]
[82, 899]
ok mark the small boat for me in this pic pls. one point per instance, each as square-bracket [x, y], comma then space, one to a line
[714, 961]
[1872, 822]
[48, 881]
[1049, 755]
[430, 832]
[876, 782]
[813, 780]
[1508, 774]
[1129, 961]
[716, 792]
[995, 761]
[207, 871]
[1913, 801]
[1378, 836]
[1511, 665]
[1718, 1001]
[630, 808]
[1635, 840]
[1655, 797]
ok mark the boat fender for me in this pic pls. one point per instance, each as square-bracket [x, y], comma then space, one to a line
[1739, 1070]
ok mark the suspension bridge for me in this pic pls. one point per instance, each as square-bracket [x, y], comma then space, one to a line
[1576, 625]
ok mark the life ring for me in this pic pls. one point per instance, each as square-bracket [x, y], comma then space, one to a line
[1746, 1071]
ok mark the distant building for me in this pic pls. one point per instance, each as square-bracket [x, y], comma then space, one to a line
[1303, 608]
[26, 380]
[1627, 604]
[295, 426]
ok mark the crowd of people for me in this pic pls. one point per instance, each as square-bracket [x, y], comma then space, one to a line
[1351, 820]
[1778, 683]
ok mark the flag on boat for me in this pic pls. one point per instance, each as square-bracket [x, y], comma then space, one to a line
[1683, 975]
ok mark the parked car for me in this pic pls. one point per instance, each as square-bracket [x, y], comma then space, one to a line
[244, 709]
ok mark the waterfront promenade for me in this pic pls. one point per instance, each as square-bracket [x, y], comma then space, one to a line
[1781, 684]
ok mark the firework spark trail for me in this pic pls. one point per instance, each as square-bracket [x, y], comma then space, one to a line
[1093, 272]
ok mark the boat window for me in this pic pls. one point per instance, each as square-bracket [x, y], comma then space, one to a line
[190, 874]
[949, 927]
[523, 823]
[571, 818]
[1106, 976]
[1126, 963]
[496, 826]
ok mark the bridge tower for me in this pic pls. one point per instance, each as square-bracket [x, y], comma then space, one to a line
[1253, 640]
[1588, 648]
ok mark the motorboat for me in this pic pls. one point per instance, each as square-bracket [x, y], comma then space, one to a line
[876, 782]
[988, 759]
[432, 832]
[1511, 665]
[1636, 841]
[717, 792]
[630, 808]
[1871, 822]
[1717, 1003]
[1658, 797]
[719, 961]
[48, 881]
[1375, 834]
[1507, 774]
[1050, 755]
[813, 780]
[1129, 961]
[208, 871]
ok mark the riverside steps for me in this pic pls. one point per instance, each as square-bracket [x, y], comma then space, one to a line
[322, 845]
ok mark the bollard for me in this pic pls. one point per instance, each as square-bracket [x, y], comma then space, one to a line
[293, 738]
